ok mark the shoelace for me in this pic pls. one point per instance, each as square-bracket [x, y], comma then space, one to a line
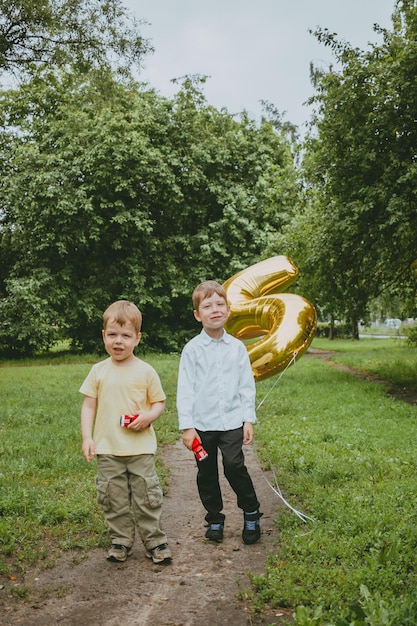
[251, 524]
[161, 548]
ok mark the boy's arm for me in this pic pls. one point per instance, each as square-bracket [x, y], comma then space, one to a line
[248, 397]
[188, 436]
[185, 399]
[248, 433]
[88, 412]
[247, 388]
[185, 391]
[146, 418]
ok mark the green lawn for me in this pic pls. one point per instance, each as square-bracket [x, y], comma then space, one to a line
[391, 359]
[343, 453]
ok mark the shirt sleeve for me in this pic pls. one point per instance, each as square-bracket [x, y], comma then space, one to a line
[185, 391]
[155, 389]
[247, 387]
[89, 386]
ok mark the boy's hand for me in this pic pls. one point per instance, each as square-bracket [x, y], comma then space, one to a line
[146, 418]
[141, 422]
[188, 436]
[247, 433]
[88, 449]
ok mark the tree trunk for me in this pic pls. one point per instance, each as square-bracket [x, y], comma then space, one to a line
[331, 328]
[354, 323]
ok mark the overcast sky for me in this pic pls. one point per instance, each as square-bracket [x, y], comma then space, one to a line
[252, 50]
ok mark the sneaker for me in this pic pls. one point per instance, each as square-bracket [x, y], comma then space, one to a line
[214, 532]
[160, 554]
[252, 527]
[118, 553]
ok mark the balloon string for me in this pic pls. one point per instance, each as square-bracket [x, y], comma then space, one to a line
[302, 516]
[294, 356]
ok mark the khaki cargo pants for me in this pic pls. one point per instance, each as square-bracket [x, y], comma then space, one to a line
[129, 493]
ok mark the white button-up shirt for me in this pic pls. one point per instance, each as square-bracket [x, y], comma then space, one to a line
[216, 387]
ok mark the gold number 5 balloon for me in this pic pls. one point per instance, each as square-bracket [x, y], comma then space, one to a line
[283, 324]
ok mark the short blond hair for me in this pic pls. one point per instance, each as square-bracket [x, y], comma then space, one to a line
[205, 290]
[123, 311]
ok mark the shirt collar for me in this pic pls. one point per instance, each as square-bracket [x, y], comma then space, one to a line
[207, 339]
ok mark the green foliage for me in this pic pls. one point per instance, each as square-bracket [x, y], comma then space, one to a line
[412, 336]
[339, 331]
[360, 176]
[113, 192]
[84, 33]
[27, 321]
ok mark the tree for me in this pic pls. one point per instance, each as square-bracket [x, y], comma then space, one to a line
[361, 159]
[26, 325]
[111, 191]
[84, 33]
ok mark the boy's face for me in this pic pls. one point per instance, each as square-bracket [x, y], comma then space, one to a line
[213, 313]
[120, 341]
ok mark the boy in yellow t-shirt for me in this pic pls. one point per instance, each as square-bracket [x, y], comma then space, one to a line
[128, 488]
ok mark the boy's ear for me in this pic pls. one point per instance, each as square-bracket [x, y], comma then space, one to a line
[196, 315]
[138, 338]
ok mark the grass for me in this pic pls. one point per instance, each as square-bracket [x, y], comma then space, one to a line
[47, 491]
[391, 359]
[343, 453]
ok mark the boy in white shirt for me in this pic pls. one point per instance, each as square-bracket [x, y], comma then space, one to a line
[216, 404]
[128, 489]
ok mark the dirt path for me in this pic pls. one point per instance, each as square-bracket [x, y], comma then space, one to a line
[204, 585]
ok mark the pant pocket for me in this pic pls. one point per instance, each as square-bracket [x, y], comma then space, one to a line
[154, 492]
[148, 490]
[103, 497]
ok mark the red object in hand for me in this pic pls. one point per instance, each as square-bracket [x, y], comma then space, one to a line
[125, 420]
[199, 452]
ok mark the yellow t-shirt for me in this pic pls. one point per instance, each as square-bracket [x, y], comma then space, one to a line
[122, 390]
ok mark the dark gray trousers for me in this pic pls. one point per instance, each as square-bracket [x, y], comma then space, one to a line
[229, 443]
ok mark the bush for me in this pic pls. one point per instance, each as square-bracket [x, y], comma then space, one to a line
[412, 336]
[340, 331]
[27, 323]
